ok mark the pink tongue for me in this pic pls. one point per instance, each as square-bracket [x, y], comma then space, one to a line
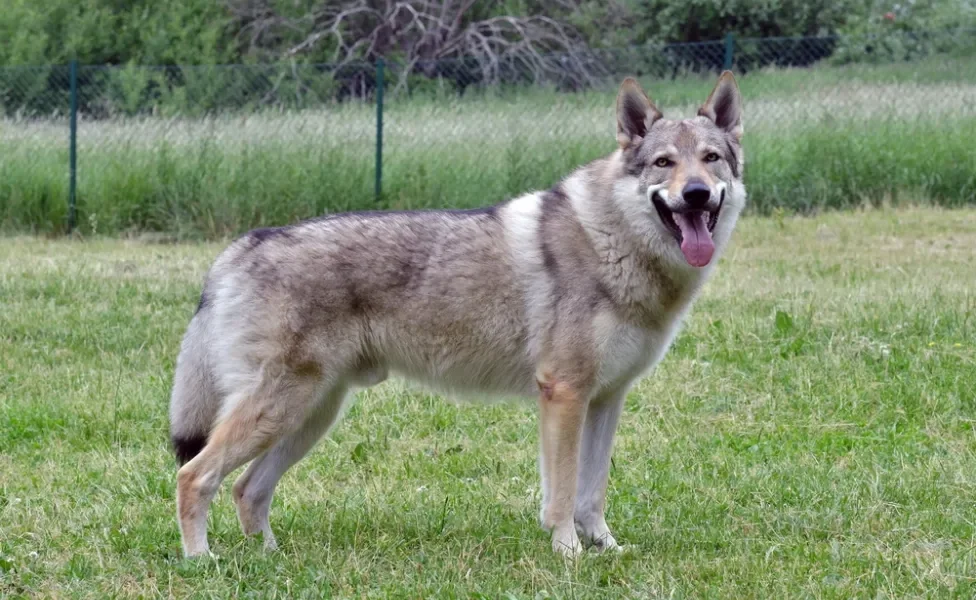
[696, 241]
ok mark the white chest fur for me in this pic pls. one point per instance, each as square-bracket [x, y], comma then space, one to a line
[626, 351]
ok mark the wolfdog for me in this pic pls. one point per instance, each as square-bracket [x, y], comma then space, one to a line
[566, 295]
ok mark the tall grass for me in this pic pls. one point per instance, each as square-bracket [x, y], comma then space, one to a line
[815, 139]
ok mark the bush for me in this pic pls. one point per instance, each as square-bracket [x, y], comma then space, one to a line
[909, 31]
[115, 32]
[627, 22]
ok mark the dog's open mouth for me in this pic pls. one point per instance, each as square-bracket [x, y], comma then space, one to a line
[693, 229]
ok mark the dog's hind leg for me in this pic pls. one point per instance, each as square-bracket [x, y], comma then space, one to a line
[258, 418]
[254, 488]
[599, 430]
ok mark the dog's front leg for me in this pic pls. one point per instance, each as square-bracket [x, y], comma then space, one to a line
[599, 429]
[562, 412]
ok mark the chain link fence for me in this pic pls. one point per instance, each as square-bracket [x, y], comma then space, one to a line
[213, 150]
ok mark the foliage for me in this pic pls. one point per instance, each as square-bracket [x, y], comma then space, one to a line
[909, 31]
[624, 22]
[114, 32]
[203, 31]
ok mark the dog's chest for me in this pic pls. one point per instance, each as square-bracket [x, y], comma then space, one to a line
[627, 351]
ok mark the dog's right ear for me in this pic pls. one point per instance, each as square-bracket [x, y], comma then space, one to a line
[635, 113]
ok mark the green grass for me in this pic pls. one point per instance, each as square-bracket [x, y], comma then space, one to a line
[815, 139]
[811, 434]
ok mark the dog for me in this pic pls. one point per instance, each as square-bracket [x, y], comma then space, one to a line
[567, 295]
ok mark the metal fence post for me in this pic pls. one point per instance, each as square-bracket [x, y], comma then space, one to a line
[729, 50]
[73, 146]
[379, 128]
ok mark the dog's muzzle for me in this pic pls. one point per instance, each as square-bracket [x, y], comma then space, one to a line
[691, 219]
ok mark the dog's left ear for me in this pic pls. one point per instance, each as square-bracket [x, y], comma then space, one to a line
[724, 105]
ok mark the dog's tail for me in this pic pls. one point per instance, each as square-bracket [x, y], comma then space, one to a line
[195, 401]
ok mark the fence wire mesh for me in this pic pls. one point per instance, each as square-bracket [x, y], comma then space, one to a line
[231, 146]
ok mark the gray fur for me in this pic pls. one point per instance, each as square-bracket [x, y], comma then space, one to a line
[569, 295]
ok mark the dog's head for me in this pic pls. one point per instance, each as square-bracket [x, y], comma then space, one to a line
[688, 172]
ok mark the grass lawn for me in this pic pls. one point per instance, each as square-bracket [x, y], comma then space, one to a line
[811, 434]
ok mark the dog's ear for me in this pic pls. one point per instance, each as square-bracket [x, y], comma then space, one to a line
[724, 105]
[635, 113]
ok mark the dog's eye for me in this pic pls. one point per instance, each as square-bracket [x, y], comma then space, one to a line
[662, 162]
[711, 157]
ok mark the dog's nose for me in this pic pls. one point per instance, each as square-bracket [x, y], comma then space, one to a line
[696, 194]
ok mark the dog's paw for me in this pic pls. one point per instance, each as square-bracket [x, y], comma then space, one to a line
[566, 542]
[605, 542]
[197, 555]
[596, 533]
